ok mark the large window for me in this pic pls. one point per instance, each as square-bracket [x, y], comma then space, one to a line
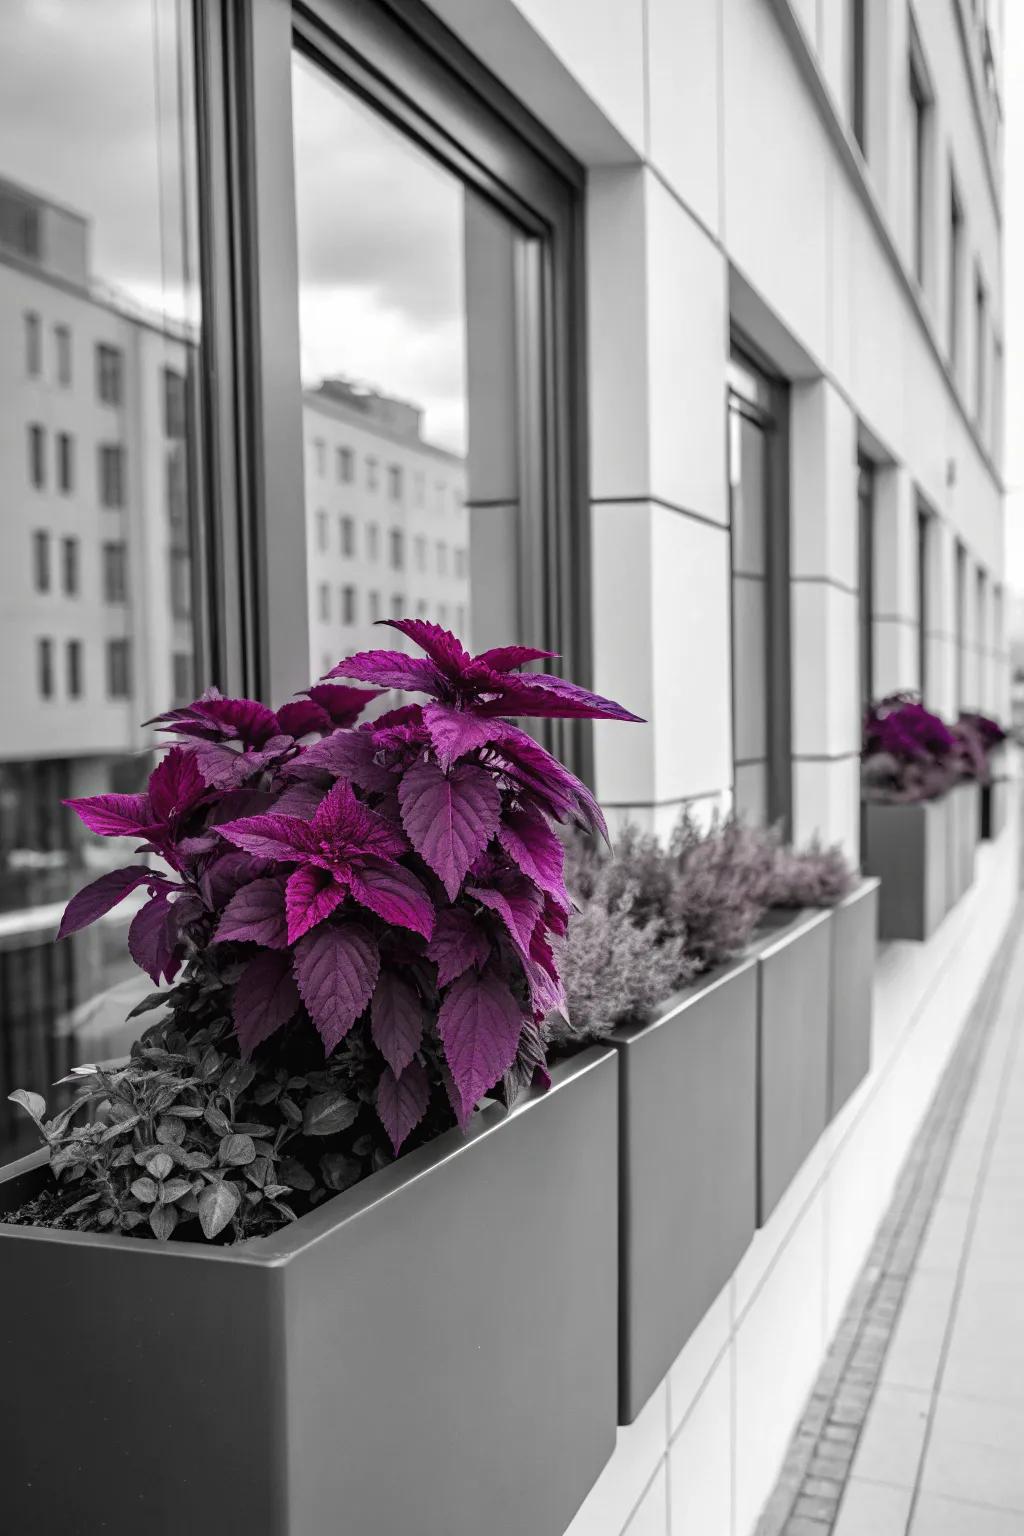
[434, 304]
[920, 124]
[96, 272]
[858, 72]
[923, 597]
[960, 626]
[955, 274]
[866, 575]
[759, 514]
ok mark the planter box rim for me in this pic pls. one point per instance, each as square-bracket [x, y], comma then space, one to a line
[802, 921]
[687, 997]
[865, 884]
[278, 1248]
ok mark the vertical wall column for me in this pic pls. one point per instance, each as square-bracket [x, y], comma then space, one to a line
[894, 601]
[658, 337]
[941, 624]
[824, 580]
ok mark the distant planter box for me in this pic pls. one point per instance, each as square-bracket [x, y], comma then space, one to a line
[854, 942]
[908, 848]
[432, 1352]
[964, 830]
[995, 800]
[688, 1195]
[794, 963]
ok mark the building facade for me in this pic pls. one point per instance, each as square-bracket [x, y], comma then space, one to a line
[681, 333]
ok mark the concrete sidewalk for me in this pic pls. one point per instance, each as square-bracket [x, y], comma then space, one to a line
[916, 1424]
[942, 1450]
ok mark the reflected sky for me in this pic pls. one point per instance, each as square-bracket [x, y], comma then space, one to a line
[381, 257]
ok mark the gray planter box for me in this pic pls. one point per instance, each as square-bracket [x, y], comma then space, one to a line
[688, 1192]
[964, 829]
[995, 800]
[794, 962]
[432, 1352]
[907, 847]
[854, 941]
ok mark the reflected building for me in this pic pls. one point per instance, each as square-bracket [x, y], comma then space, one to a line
[387, 530]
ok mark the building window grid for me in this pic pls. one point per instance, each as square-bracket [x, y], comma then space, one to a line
[111, 475]
[73, 668]
[347, 535]
[62, 345]
[37, 456]
[65, 463]
[33, 344]
[115, 572]
[44, 667]
[109, 374]
[119, 669]
[70, 566]
[41, 577]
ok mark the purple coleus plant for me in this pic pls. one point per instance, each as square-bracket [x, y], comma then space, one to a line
[909, 753]
[397, 885]
[977, 736]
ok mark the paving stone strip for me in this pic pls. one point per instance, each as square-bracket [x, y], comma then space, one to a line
[806, 1498]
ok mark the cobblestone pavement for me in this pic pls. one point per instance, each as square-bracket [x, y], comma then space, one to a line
[916, 1423]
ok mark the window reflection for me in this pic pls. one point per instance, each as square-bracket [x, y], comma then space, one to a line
[99, 311]
[382, 232]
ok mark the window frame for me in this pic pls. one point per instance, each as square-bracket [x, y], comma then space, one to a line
[398, 57]
[771, 413]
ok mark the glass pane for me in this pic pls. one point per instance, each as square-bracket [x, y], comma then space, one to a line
[407, 314]
[98, 305]
[749, 512]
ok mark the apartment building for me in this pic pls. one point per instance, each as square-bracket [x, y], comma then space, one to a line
[700, 306]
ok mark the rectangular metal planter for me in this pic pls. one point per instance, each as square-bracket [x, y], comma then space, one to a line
[688, 1196]
[907, 847]
[854, 940]
[794, 963]
[432, 1351]
[964, 831]
[995, 800]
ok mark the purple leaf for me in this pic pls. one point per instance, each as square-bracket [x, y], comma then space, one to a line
[212, 717]
[454, 732]
[301, 799]
[396, 1020]
[101, 895]
[518, 903]
[175, 783]
[342, 705]
[536, 850]
[352, 828]
[265, 998]
[114, 815]
[449, 818]
[151, 940]
[337, 970]
[391, 669]
[503, 658]
[564, 794]
[546, 992]
[350, 755]
[222, 876]
[393, 894]
[255, 915]
[301, 717]
[440, 644]
[541, 694]
[479, 1022]
[458, 943]
[402, 1102]
[284, 838]
[311, 894]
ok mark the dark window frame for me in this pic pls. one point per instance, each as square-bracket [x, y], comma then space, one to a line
[397, 56]
[773, 417]
[955, 271]
[858, 73]
[924, 540]
[921, 98]
[866, 476]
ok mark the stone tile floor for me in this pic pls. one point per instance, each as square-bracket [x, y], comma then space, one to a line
[916, 1423]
